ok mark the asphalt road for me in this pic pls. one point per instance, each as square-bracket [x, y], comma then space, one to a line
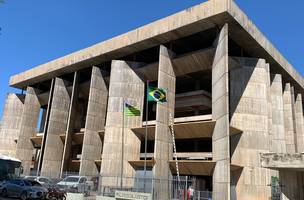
[2, 198]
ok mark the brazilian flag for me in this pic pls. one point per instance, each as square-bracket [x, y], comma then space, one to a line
[130, 110]
[156, 94]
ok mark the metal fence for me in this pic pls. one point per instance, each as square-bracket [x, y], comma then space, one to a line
[175, 190]
[184, 189]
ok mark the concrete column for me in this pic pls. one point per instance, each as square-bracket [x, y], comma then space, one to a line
[220, 113]
[299, 124]
[125, 85]
[41, 153]
[95, 121]
[163, 150]
[249, 97]
[52, 158]
[28, 128]
[10, 124]
[70, 125]
[288, 120]
[277, 144]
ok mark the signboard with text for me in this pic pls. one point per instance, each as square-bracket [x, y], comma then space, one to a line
[132, 195]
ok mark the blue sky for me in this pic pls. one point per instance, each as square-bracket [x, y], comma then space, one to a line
[34, 31]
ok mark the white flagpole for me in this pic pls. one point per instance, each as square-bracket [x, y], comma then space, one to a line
[146, 135]
[122, 141]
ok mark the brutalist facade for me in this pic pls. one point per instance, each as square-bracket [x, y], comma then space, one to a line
[236, 101]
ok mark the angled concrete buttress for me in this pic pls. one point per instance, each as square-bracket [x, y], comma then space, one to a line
[10, 123]
[95, 121]
[70, 125]
[45, 126]
[288, 120]
[28, 128]
[51, 163]
[163, 150]
[299, 124]
[125, 86]
[249, 96]
[220, 113]
[277, 140]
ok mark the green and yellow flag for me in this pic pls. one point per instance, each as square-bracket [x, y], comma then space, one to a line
[130, 110]
[156, 94]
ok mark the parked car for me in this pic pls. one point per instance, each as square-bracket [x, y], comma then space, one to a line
[73, 183]
[23, 189]
[40, 179]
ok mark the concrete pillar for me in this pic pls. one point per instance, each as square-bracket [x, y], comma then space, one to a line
[249, 96]
[299, 124]
[51, 163]
[95, 121]
[220, 113]
[277, 142]
[125, 85]
[66, 157]
[163, 150]
[41, 153]
[28, 128]
[288, 120]
[10, 124]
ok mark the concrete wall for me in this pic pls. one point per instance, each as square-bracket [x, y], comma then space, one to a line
[163, 150]
[299, 123]
[10, 124]
[70, 125]
[288, 120]
[95, 121]
[52, 158]
[28, 128]
[220, 113]
[277, 138]
[249, 97]
[125, 85]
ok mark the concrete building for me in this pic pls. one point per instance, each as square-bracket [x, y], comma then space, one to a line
[235, 101]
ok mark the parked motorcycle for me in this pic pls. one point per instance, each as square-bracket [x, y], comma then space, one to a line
[54, 193]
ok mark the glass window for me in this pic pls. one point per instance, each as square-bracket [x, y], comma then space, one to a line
[82, 180]
[71, 179]
[26, 183]
[43, 180]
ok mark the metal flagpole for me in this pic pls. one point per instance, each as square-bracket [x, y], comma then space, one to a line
[146, 134]
[122, 141]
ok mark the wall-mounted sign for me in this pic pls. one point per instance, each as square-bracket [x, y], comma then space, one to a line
[132, 195]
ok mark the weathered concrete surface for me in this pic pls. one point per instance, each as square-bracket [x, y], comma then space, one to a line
[95, 121]
[299, 124]
[289, 167]
[28, 127]
[125, 85]
[45, 126]
[163, 150]
[10, 124]
[288, 120]
[277, 137]
[249, 101]
[220, 113]
[273, 54]
[70, 125]
[283, 161]
[52, 158]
